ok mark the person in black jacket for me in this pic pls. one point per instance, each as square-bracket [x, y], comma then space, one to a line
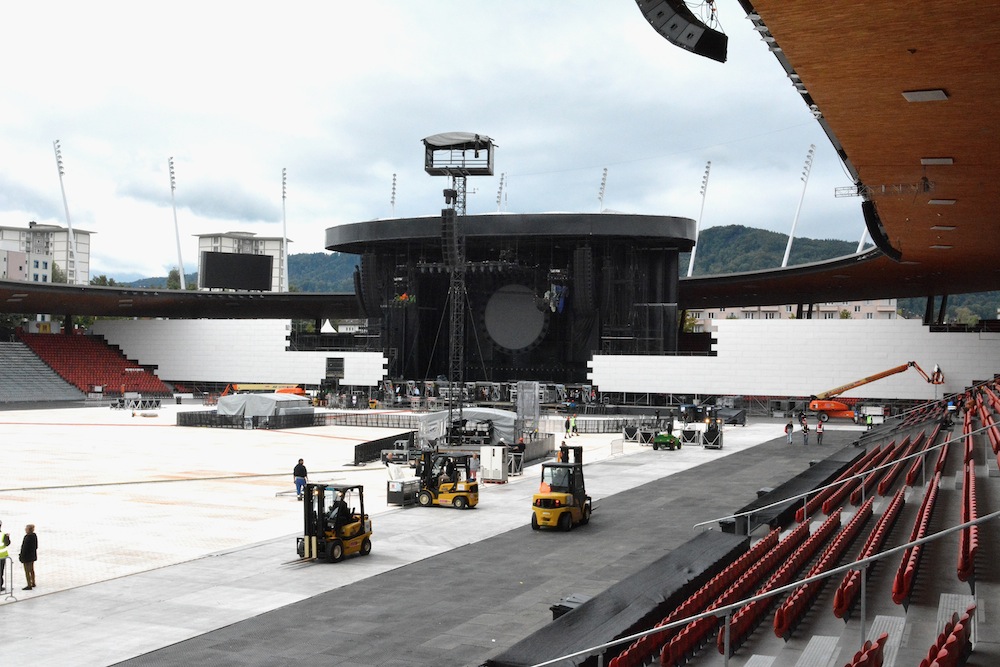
[29, 554]
[300, 475]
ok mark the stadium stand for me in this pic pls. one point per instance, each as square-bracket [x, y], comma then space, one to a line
[24, 378]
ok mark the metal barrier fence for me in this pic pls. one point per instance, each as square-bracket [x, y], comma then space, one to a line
[372, 451]
[212, 419]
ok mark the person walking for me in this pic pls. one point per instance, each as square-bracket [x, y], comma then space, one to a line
[300, 475]
[572, 426]
[567, 427]
[29, 554]
[4, 543]
[805, 432]
[819, 433]
[474, 467]
[788, 431]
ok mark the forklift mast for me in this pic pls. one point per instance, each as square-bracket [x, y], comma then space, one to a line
[576, 451]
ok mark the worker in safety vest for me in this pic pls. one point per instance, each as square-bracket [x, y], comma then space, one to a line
[4, 543]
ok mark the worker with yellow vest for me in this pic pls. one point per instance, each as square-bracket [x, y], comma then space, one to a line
[4, 543]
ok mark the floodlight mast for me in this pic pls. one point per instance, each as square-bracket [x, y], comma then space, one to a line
[283, 269]
[69, 224]
[177, 229]
[457, 155]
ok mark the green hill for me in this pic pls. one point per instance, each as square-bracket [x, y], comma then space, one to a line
[724, 249]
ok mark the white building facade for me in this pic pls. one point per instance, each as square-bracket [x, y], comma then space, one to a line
[872, 309]
[247, 243]
[31, 253]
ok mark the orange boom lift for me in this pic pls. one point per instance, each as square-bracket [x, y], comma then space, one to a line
[826, 408]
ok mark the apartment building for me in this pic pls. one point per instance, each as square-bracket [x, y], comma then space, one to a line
[872, 309]
[246, 243]
[32, 253]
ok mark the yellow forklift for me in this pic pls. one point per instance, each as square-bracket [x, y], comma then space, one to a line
[562, 501]
[444, 480]
[335, 522]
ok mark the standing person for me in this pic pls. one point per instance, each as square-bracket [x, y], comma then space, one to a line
[474, 467]
[572, 425]
[805, 432]
[300, 476]
[29, 554]
[567, 427]
[819, 433]
[4, 543]
[788, 431]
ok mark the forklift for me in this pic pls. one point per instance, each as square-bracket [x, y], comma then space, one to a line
[562, 501]
[335, 522]
[444, 480]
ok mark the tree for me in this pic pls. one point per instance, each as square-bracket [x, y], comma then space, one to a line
[965, 316]
[845, 314]
[174, 279]
[58, 275]
[103, 281]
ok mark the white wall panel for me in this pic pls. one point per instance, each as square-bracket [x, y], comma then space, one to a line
[232, 351]
[805, 357]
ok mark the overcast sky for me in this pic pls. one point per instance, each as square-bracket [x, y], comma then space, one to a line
[341, 94]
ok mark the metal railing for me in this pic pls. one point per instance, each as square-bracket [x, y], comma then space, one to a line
[805, 495]
[726, 611]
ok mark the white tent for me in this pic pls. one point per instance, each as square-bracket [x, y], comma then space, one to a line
[264, 405]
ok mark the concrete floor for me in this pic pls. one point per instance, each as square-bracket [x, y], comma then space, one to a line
[162, 545]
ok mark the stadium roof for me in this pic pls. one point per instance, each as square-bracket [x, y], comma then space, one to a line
[907, 94]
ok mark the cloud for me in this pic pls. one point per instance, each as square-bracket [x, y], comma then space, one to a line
[341, 95]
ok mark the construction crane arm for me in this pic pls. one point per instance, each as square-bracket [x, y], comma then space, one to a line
[936, 377]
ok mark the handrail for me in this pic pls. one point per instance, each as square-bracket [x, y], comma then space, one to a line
[836, 483]
[726, 610]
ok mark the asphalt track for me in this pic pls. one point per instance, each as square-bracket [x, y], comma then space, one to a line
[466, 605]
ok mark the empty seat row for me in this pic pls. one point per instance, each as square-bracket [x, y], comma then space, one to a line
[954, 645]
[794, 607]
[902, 584]
[908, 446]
[872, 654]
[690, 638]
[847, 592]
[646, 646]
[876, 473]
[918, 463]
[968, 539]
[817, 501]
[749, 615]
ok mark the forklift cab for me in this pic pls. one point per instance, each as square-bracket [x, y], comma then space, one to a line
[445, 480]
[562, 499]
[335, 522]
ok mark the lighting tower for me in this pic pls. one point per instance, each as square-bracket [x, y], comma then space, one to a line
[600, 193]
[69, 223]
[697, 226]
[177, 230]
[457, 155]
[805, 182]
[284, 287]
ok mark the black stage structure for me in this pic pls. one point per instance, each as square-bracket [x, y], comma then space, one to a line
[544, 291]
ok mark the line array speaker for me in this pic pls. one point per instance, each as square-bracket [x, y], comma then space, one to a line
[673, 20]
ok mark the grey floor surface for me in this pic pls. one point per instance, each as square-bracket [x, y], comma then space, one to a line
[467, 604]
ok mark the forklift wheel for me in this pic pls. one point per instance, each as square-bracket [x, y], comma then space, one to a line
[460, 502]
[534, 522]
[565, 522]
[335, 551]
[425, 498]
[656, 446]
[366, 547]
[586, 515]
